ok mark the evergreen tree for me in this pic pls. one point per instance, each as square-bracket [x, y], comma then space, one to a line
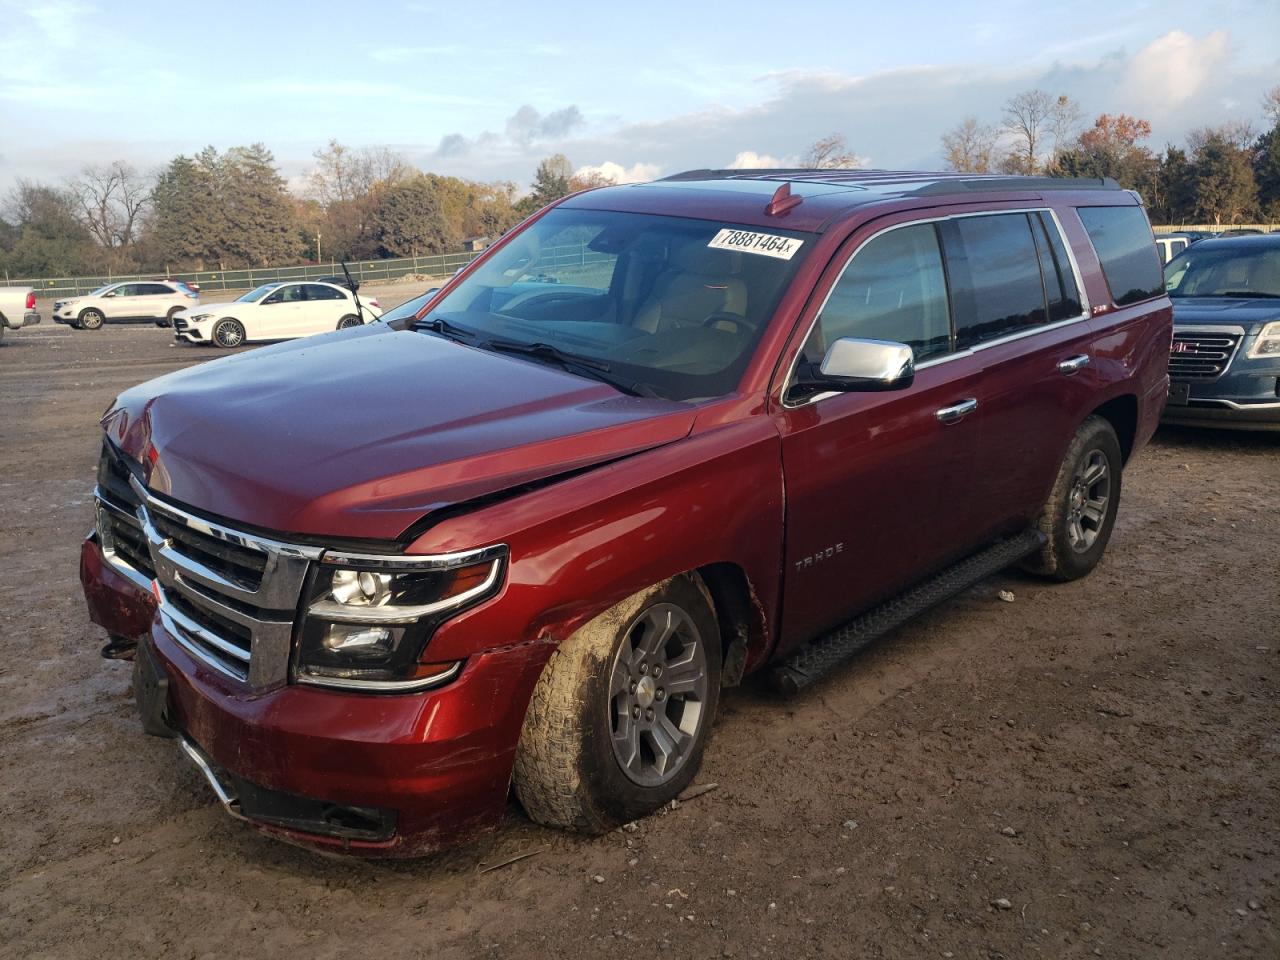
[410, 220]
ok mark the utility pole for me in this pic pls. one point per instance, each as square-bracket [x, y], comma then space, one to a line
[317, 246]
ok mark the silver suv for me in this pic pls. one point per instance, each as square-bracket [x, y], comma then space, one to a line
[134, 301]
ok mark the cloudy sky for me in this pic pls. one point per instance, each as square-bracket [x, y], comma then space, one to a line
[483, 90]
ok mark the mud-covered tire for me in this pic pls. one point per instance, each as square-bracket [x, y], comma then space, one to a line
[227, 334]
[567, 773]
[349, 321]
[1067, 554]
[90, 319]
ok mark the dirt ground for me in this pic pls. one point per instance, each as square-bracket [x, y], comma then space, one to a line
[1090, 770]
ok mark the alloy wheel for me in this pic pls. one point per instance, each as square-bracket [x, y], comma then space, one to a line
[228, 335]
[657, 692]
[1087, 500]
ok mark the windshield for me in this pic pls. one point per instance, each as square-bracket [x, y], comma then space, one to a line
[672, 305]
[101, 290]
[1229, 270]
[409, 308]
[254, 295]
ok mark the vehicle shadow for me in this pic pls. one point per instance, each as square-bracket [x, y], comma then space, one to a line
[1175, 436]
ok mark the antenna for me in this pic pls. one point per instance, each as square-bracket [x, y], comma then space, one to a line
[783, 200]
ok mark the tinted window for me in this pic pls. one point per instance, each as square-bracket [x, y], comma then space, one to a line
[893, 289]
[154, 290]
[1127, 251]
[318, 291]
[995, 277]
[126, 290]
[1060, 291]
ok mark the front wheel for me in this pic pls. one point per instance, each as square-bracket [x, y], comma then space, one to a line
[1080, 513]
[623, 710]
[350, 320]
[91, 320]
[228, 333]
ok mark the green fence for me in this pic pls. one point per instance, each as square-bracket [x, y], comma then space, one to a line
[366, 271]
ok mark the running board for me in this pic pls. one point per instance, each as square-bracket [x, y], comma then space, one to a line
[818, 657]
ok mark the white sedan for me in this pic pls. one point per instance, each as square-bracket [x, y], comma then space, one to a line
[275, 311]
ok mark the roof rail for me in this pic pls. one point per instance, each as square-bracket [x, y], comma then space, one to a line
[916, 183]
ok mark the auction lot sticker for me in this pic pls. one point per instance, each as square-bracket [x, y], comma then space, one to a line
[765, 244]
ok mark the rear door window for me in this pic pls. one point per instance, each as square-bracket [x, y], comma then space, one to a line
[996, 285]
[1060, 291]
[1127, 251]
[895, 289]
[318, 291]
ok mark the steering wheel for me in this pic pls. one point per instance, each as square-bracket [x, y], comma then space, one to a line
[740, 323]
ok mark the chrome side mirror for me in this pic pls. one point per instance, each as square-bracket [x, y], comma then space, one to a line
[853, 364]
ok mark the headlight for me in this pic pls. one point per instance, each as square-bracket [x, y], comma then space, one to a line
[369, 619]
[1268, 342]
[199, 317]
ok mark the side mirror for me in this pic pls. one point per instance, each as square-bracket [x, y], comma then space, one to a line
[109, 293]
[852, 364]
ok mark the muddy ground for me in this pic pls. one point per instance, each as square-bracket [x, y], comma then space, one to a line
[1091, 770]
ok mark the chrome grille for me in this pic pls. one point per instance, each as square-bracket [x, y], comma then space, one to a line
[228, 597]
[1201, 356]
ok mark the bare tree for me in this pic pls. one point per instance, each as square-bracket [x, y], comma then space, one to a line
[970, 146]
[110, 200]
[1031, 118]
[1271, 105]
[830, 152]
[1064, 122]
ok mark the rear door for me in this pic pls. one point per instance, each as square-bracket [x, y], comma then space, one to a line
[154, 300]
[1018, 306]
[879, 486]
[325, 306]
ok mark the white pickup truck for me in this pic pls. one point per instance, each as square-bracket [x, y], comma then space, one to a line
[17, 308]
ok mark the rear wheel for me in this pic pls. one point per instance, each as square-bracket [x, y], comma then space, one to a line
[1081, 510]
[623, 710]
[350, 320]
[167, 321]
[228, 333]
[90, 319]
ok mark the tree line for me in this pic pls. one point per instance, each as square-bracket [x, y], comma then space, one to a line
[224, 210]
[233, 209]
[1223, 174]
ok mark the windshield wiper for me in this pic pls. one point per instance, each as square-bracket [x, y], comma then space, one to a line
[1251, 294]
[443, 327]
[591, 367]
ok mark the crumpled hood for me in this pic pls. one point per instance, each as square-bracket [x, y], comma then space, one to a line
[1230, 311]
[361, 433]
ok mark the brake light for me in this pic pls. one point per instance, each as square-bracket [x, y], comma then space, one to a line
[374, 303]
[31, 300]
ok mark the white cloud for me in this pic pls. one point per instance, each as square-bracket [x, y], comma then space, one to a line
[638, 172]
[1172, 69]
[749, 159]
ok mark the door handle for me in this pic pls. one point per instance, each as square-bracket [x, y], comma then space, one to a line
[1072, 364]
[958, 412]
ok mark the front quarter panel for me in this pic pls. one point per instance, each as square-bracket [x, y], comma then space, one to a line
[581, 545]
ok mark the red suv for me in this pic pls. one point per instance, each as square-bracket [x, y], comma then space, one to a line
[659, 438]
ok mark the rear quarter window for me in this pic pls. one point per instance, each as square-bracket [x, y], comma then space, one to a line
[1126, 249]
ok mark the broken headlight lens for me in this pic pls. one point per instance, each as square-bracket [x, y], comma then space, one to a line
[369, 618]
